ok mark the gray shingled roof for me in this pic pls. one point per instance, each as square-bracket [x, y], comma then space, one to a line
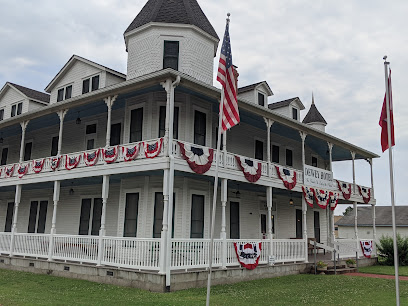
[382, 216]
[32, 94]
[314, 116]
[282, 103]
[173, 11]
[248, 88]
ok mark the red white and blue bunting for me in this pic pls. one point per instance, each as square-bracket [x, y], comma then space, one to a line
[334, 199]
[366, 247]
[22, 170]
[55, 162]
[199, 159]
[345, 188]
[72, 162]
[152, 149]
[308, 193]
[110, 154]
[38, 165]
[287, 176]
[8, 172]
[365, 194]
[322, 198]
[130, 153]
[91, 159]
[252, 170]
[248, 254]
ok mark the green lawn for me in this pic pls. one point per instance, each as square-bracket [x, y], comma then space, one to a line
[387, 270]
[20, 288]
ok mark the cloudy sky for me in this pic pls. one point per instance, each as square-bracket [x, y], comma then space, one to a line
[333, 49]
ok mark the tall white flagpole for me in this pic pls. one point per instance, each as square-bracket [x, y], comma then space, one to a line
[394, 230]
[210, 255]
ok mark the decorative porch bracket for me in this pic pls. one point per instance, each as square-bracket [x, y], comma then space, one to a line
[23, 132]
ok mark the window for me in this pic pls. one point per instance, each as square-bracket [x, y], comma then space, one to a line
[4, 154]
[93, 81]
[263, 226]
[131, 212]
[275, 154]
[88, 206]
[68, 93]
[1, 114]
[158, 214]
[19, 108]
[299, 225]
[171, 54]
[85, 86]
[197, 216]
[234, 220]
[258, 149]
[54, 146]
[115, 134]
[289, 157]
[317, 226]
[295, 113]
[13, 110]
[27, 151]
[216, 139]
[162, 122]
[38, 217]
[9, 217]
[90, 136]
[261, 99]
[60, 95]
[136, 125]
[314, 161]
[200, 126]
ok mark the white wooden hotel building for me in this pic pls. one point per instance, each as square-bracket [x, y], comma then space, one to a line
[75, 199]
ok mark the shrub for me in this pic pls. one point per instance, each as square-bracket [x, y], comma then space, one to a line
[386, 250]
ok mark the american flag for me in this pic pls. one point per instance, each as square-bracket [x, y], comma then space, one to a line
[227, 79]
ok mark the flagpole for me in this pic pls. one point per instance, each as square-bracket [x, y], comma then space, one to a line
[394, 230]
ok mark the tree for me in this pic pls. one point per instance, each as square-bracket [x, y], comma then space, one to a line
[348, 210]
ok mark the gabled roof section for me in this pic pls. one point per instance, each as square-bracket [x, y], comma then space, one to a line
[286, 102]
[383, 216]
[313, 115]
[28, 93]
[254, 86]
[173, 11]
[72, 61]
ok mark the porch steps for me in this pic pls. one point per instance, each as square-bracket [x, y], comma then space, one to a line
[340, 269]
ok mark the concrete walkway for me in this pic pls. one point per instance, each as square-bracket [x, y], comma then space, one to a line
[405, 278]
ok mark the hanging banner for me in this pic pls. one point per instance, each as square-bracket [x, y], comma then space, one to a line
[55, 162]
[22, 170]
[322, 197]
[366, 247]
[345, 189]
[308, 193]
[152, 149]
[38, 165]
[72, 162]
[9, 171]
[248, 254]
[130, 153]
[318, 178]
[334, 199]
[199, 159]
[91, 159]
[252, 171]
[110, 154]
[365, 193]
[288, 177]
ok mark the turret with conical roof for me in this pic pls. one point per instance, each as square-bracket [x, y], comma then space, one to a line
[314, 118]
[171, 34]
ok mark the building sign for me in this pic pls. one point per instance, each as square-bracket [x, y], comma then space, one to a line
[318, 178]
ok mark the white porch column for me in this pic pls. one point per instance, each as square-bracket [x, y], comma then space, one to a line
[355, 224]
[23, 132]
[61, 115]
[374, 230]
[268, 123]
[224, 147]
[331, 213]
[163, 236]
[102, 232]
[303, 137]
[56, 197]
[17, 200]
[223, 235]
[304, 219]
[269, 203]
[109, 103]
[353, 156]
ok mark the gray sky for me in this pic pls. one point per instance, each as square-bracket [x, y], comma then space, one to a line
[332, 48]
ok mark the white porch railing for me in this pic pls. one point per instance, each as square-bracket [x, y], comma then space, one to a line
[35, 245]
[348, 248]
[76, 248]
[288, 250]
[232, 257]
[5, 240]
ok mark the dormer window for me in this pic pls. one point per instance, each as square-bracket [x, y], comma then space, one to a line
[16, 109]
[261, 99]
[294, 114]
[1, 114]
[90, 84]
[64, 93]
[171, 54]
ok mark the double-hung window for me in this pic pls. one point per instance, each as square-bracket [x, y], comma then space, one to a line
[16, 109]
[158, 215]
[136, 124]
[54, 146]
[197, 216]
[4, 153]
[261, 99]
[234, 220]
[91, 213]
[314, 161]
[27, 150]
[162, 122]
[131, 214]
[294, 113]
[38, 217]
[90, 136]
[275, 154]
[258, 149]
[289, 157]
[9, 217]
[171, 54]
[200, 126]
[90, 84]
[64, 93]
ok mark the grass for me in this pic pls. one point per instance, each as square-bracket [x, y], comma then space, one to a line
[386, 270]
[21, 288]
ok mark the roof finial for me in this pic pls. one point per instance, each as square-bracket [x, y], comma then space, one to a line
[228, 17]
[312, 98]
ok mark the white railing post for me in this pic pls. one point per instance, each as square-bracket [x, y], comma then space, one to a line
[56, 196]
[102, 233]
[163, 238]
[304, 210]
[17, 200]
[224, 198]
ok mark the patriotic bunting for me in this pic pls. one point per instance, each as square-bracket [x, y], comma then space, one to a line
[287, 176]
[130, 153]
[152, 149]
[22, 170]
[365, 193]
[366, 247]
[308, 193]
[345, 188]
[72, 162]
[38, 165]
[9, 171]
[55, 162]
[334, 199]
[322, 198]
[110, 154]
[252, 171]
[91, 159]
[199, 159]
[248, 254]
